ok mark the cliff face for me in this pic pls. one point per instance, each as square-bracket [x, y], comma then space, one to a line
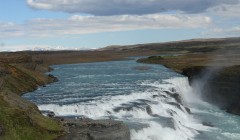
[221, 86]
[20, 119]
[218, 75]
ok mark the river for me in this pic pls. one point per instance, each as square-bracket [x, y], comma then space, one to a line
[152, 99]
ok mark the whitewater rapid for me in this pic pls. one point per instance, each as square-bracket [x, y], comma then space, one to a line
[157, 103]
[146, 109]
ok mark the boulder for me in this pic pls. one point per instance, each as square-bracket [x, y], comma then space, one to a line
[149, 110]
[87, 129]
[51, 114]
[52, 78]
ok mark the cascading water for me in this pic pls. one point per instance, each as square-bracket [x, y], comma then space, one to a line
[157, 104]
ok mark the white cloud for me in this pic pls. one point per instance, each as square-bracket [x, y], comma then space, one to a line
[10, 29]
[13, 48]
[224, 31]
[119, 7]
[94, 24]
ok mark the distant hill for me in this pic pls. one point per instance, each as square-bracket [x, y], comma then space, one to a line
[188, 45]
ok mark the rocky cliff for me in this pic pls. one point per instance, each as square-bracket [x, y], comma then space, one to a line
[219, 77]
[221, 85]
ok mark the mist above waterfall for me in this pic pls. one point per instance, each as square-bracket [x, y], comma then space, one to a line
[210, 83]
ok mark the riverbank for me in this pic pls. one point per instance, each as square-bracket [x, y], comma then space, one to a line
[21, 119]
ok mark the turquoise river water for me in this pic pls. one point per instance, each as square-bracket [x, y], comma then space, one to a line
[141, 95]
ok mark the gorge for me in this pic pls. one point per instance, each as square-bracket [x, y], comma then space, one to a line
[135, 100]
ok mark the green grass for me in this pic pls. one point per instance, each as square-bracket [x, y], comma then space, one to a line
[21, 120]
[19, 125]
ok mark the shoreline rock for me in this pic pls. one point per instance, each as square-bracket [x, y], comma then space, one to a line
[88, 129]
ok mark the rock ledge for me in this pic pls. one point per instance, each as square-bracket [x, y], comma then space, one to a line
[88, 129]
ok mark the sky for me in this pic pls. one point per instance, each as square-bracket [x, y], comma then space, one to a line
[90, 24]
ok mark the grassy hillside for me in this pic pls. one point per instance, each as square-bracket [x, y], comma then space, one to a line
[20, 119]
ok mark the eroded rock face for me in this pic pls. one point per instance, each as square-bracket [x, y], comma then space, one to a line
[193, 73]
[224, 89]
[234, 109]
[220, 86]
[87, 129]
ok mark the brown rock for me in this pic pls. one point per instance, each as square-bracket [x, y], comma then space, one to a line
[87, 129]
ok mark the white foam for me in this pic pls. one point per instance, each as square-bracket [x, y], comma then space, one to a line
[93, 109]
[156, 132]
[186, 127]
